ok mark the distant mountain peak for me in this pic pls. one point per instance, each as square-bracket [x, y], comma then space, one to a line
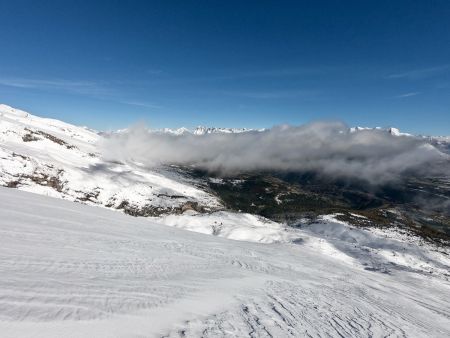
[201, 130]
[391, 130]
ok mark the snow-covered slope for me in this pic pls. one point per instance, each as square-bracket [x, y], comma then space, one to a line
[232, 225]
[57, 159]
[61, 160]
[71, 270]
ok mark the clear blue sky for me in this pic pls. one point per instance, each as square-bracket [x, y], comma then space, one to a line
[107, 64]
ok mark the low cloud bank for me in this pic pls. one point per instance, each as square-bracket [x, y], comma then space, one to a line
[328, 148]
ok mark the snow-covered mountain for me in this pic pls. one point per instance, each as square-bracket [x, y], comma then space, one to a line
[54, 158]
[73, 270]
[396, 132]
[57, 159]
[440, 142]
[208, 130]
[393, 131]
[201, 130]
[62, 160]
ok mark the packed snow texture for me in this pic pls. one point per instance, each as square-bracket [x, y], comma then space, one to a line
[72, 270]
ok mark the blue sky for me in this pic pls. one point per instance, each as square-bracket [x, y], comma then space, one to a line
[108, 64]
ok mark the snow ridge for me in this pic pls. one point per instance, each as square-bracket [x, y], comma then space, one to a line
[57, 159]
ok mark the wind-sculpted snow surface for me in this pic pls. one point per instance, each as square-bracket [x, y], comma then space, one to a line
[71, 270]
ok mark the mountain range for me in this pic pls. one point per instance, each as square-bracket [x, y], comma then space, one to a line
[301, 255]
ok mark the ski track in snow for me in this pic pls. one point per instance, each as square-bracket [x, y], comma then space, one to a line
[71, 270]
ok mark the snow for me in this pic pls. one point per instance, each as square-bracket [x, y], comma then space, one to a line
[200, 130]
[358, 216]
[72, 270]
[396, 132]
[4, 109]
[393, 131]
[237, 226]
[34, 149]
[57, 159]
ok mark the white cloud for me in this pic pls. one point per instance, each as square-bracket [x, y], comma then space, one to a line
[70, 86]
[407, 95]
[324, 147]
[142, 104]
[420, 73]
[273, 94]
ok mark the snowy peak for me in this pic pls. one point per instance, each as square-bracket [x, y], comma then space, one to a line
[358, 128]
[7, 110]
[391, 130]
[178, 131]
[200, 130]
[396, 132]
[440, 142]
[17, 125]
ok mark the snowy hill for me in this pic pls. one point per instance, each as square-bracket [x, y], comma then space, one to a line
[61, 160]
[71, 270]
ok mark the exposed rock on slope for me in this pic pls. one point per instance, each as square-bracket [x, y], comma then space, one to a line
[61, 160]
